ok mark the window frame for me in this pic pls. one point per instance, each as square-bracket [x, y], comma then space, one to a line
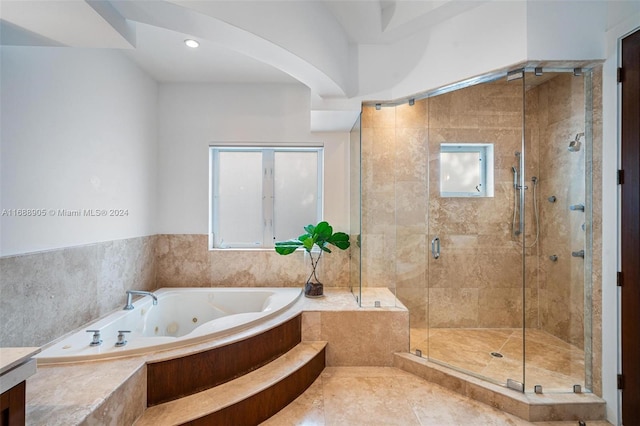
[268, 196]
[486, 153]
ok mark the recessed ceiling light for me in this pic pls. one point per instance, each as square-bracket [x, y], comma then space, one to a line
[191, 43]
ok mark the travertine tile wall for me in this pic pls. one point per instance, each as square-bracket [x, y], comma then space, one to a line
[394, 203]
[378, 198]
[355, 168]
[48, 294]
[596, 225]
[185, 261]
[557, 115]
[477, 281]
[359, 337]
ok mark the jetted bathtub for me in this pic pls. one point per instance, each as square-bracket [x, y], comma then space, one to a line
[182, 316]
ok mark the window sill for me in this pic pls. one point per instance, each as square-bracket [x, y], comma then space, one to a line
[243, 249]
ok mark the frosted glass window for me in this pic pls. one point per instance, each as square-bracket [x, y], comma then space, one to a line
[262, 195]
[466, 170]
[240, 199]
[295, 201]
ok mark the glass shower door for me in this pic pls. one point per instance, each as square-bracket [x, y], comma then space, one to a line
[558, 241]
[475, 307]
[355, 191]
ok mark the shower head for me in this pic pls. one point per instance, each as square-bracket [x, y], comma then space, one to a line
[574, 145]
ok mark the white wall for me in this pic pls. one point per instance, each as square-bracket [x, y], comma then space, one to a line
[192, 116]
[78, 132]
[566, 30]
[483, 39]
[493, 36]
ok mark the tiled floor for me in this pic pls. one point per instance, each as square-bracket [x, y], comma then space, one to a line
[549, 361]
[345, 396]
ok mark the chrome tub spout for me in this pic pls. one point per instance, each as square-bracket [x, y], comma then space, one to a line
[130, 293]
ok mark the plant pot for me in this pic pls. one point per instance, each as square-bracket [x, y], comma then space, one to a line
[313, 289]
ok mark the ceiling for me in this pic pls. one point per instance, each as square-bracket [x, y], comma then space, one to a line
[312, 42]
[159, 50]
[162, 54]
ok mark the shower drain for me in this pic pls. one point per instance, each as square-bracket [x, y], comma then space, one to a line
[496, 354]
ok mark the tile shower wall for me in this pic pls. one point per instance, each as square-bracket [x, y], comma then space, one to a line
[45, 295]
[557, 116]
[477, 281]
[378, 198]
[355, 169]
[394, 204]
[596, 226]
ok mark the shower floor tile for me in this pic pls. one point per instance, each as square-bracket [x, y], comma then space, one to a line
[550, 362]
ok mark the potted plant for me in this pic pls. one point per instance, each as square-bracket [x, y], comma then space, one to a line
[320, 235]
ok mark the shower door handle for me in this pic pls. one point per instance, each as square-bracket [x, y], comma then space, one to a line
[435, 247]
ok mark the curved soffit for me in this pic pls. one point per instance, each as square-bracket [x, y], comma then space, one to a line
[176, 18]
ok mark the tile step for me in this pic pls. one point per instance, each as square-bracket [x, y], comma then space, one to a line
[528, 406]
[239, 390]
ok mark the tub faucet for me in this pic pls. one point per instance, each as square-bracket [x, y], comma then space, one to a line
[96, 338]
[129, 305]
[121, 340]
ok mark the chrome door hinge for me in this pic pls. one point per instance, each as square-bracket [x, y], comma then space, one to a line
[619, 279]
[620, 75]
[620, 177]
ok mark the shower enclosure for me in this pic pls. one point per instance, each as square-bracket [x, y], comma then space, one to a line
[476, 213]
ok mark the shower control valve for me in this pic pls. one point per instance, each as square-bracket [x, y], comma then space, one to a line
[121, 341]
[96, 338]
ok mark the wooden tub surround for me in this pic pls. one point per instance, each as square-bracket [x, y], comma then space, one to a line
[249, 399]
[242, 383]
[178, 377]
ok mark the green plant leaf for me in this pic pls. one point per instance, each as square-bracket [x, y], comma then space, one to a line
[321, 235]
[287, 247]
[308, 243]
[323, 231]
[340, 240]
[302, 237]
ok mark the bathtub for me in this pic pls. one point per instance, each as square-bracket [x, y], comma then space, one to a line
[182, 316]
